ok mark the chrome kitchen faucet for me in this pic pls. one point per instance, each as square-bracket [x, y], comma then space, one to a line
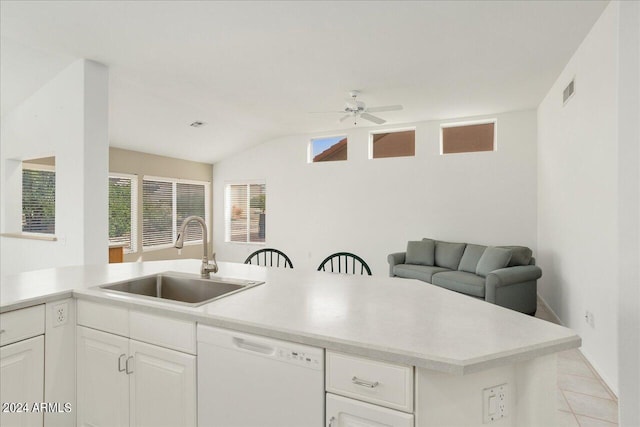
[206, 267]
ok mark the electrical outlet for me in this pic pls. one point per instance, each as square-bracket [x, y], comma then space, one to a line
[589, 318]
[495, 401]
[60, 314]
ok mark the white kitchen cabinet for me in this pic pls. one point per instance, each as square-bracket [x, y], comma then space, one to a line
[103, 384]
[137, 383]
[346, 412]
[387, 386]
[22, 373]
[162, 386]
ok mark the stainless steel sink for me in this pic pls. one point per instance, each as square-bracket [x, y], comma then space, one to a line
[182, 288]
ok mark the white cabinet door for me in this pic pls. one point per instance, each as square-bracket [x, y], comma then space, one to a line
[162, 387]
[345, 412]
[103, 383]
[22, 373]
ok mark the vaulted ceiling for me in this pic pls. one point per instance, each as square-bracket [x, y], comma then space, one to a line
[253, 71]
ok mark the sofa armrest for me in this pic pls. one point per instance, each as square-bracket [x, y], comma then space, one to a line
[514, 288]
[395, 259]
[512, 275]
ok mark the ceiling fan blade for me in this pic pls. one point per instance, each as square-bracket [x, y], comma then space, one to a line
[371, 118]
[345, 117]
[385, 108]
[324, 112]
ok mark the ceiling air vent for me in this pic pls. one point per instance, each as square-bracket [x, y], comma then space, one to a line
[568, 92]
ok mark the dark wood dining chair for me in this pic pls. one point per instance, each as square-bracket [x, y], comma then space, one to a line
[346, 263]
[269, 257]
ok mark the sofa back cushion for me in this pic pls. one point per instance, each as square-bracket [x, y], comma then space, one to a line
[448, 254]
[520, 255]
[470, 258]
[421, 252]
[493, 259]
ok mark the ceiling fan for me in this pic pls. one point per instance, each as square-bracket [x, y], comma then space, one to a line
[354, 108]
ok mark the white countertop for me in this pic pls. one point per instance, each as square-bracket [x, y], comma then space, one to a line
[399, 320]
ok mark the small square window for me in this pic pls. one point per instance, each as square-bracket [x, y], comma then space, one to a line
[393, 144]
[468, 137]
[328, 149]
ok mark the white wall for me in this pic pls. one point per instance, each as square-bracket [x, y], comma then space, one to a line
[67, 118]
[629, 212]
[373, 207]
[578, 195]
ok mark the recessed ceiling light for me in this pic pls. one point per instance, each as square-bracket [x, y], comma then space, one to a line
[197, 124]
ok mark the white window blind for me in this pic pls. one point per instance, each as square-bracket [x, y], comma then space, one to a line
[123, 206]
[190, 200]
[166, 203]
[38, 201]
[245, 213]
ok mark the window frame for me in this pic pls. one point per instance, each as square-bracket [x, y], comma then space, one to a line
[227, 209]
[493, 120]
[174, 211]
[391, 130]
[134, 208]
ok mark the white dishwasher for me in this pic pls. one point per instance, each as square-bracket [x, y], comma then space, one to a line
[252, 381]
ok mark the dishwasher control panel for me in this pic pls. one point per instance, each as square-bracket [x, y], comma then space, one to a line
[297, 357]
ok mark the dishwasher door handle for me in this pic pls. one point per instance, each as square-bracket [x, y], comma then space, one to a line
[253, 346]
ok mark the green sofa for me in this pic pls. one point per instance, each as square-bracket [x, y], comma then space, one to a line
[502, 275]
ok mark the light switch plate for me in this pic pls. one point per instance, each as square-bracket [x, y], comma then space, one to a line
[495, 403]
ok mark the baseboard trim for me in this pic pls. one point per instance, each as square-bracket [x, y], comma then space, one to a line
[557, 320]
[553, 314]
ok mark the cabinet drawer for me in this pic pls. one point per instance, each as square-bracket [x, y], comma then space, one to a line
[345, 412]
[164, 331]
[382, 383]
[103, 317]
[21, 324]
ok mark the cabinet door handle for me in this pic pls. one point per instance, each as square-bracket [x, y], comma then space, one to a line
[120, 360]
[331, 421]
[129, 371]
[364, 383]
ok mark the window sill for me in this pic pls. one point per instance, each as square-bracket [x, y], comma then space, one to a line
[246, 243]
[31, 236]
[170, 246]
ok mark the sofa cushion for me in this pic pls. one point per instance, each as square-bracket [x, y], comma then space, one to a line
[470, 258]
[448, 254]
[420, 272]
[493, 259]
[460, 281]
[421, 252]
[520, 255]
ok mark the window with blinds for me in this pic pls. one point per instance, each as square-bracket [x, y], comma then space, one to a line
[38, 198]
[245, 212]
[165, 205]
[190, 200]
[123, 206]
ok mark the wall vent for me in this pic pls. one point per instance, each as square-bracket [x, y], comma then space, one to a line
[568, 92]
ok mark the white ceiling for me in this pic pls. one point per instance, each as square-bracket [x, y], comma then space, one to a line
[254, 70]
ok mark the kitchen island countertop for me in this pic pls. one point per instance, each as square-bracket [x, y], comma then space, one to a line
[398, 320]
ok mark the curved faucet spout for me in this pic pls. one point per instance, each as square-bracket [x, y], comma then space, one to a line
[207, 267]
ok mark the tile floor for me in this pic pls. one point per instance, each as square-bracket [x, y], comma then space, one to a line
[584, 400]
